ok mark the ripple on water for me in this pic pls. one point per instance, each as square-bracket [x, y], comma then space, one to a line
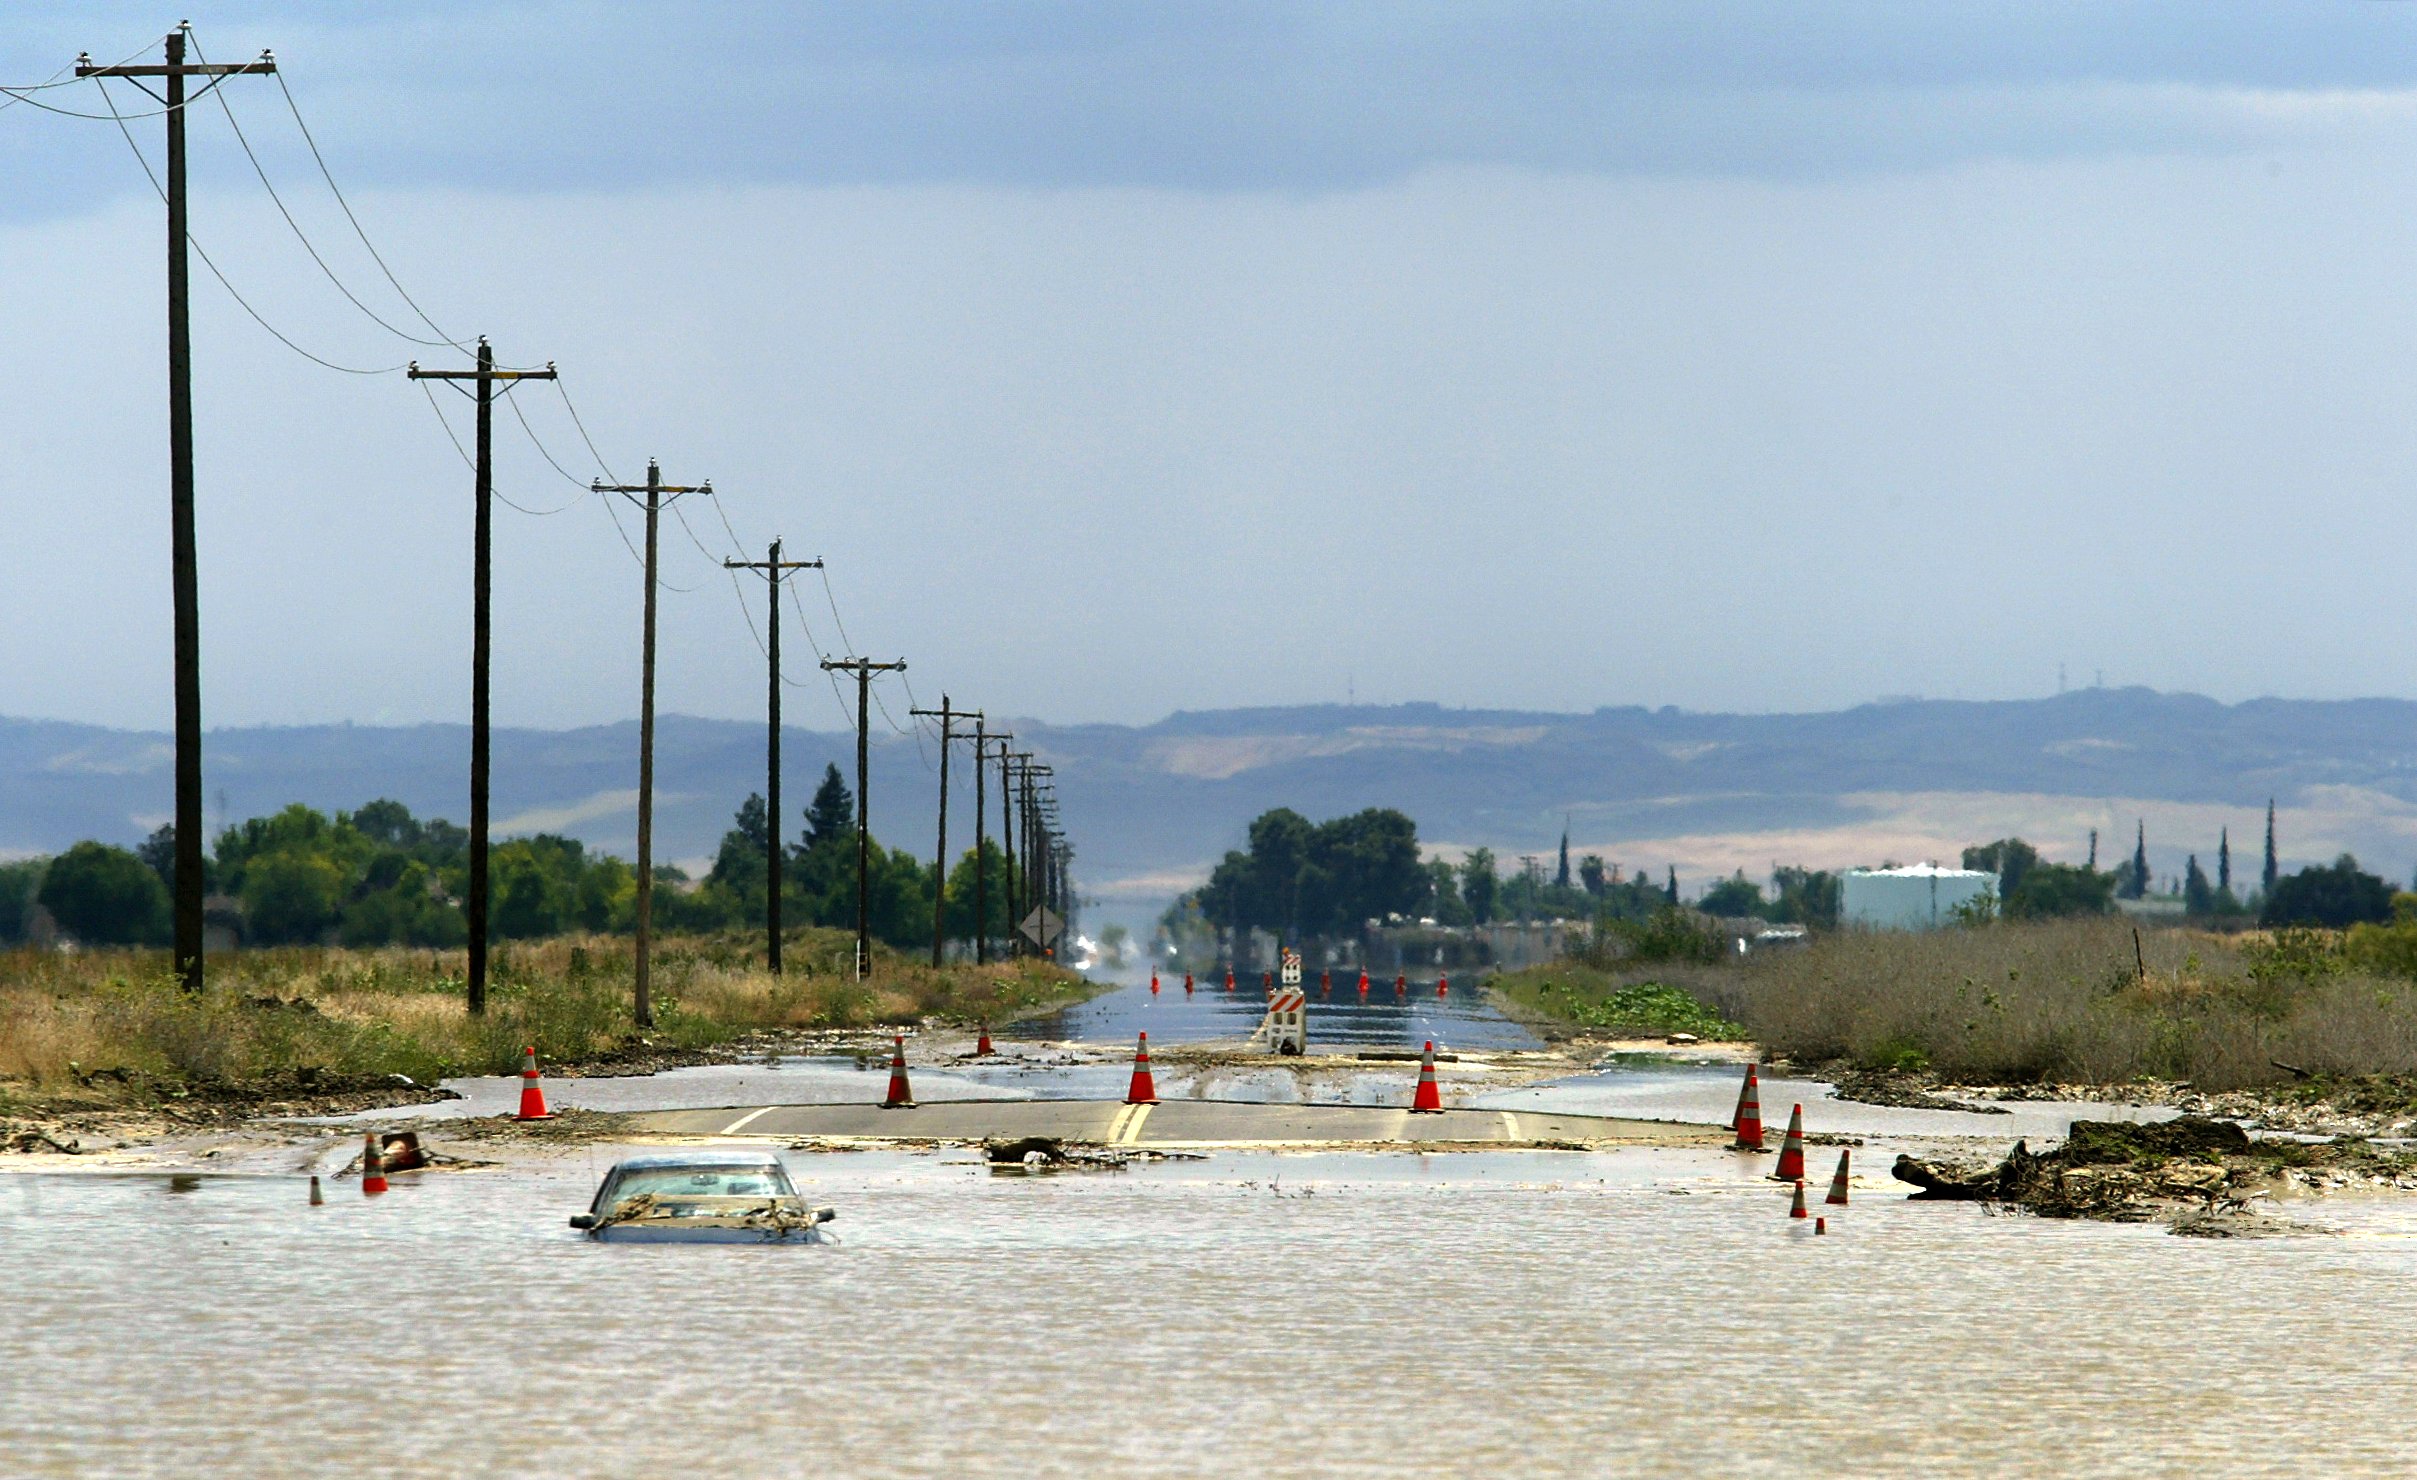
[1488, 1313]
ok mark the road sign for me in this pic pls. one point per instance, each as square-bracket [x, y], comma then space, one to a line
[1291, 976]
[1042, 926]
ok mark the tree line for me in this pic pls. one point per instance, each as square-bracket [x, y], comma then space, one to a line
[380, 876]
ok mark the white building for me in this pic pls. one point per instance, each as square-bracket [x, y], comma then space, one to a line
[1922, 897]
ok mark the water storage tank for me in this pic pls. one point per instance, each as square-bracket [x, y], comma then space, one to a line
[1923, 897]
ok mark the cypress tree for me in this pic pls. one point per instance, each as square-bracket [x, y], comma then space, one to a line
[2224, 859]
[2137, 885]
[2093, 850]
[1562, 879]
[2273, 871]
[1674, 884]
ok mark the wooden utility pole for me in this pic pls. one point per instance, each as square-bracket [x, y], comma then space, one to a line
[946, 716]
[1007, 868]
[982, 739]
[864, 669]
[776, 570]
[659, 495]
[184, 577]
[481, 568]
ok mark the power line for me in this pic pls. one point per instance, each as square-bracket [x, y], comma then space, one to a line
[206, 261]
[302, 237]
[374, 255]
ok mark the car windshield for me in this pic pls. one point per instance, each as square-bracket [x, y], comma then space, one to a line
[759, 1181]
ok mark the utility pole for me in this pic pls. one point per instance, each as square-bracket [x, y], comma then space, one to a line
[481, 569]
[775, 571]
[184, 577]
[982, 739]
[864, 669]
[1007, 867]
[659, 495]
[946, 716]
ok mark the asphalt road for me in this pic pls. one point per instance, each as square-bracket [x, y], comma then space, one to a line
[1173, 1123]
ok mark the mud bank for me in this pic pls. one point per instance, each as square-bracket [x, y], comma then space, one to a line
[2198, 1175]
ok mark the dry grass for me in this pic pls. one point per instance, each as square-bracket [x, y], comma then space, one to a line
[2065, 1002]
[115, 1022]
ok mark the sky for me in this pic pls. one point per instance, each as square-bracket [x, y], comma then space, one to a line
[1125, 359]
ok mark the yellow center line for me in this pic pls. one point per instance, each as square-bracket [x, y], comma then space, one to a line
[1132, 1135]
[1510, 1126]
[745, 1120]
[1116, 1124]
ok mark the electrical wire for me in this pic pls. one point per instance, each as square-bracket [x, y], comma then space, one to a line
[346, 205]
[302, 237]
[241, 302]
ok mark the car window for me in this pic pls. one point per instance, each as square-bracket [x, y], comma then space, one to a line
[764, 1181]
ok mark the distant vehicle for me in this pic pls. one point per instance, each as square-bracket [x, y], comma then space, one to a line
[702, 1197]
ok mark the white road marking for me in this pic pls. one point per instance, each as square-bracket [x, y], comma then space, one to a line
[745, 1120]
[1510, 1126]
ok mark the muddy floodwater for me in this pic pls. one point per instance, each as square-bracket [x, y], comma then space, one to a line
[1633, 1311]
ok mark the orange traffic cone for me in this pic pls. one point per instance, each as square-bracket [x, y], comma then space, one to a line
[982, 1048]
[1443, 984]
[1145, 1088]
[532, 1097]
[1187, 984]
[373, 1166]
[317, 1200]
[1796, 1209]
[1429, 1095]
[1791, 1150]
[1821, 1225]
[1401, 983]
[1749, 1114]
[1363, 983]
[1325, 983]
[1153, 983]
[1267, 979]
[1837, 1197]
[899, 1097]
[1229, 978]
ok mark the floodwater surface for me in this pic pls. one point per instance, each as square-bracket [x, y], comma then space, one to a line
[1489, 1313]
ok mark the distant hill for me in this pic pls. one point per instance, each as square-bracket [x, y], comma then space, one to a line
[1149, 807]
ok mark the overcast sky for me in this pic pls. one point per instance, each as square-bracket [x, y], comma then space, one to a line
[1129, 358]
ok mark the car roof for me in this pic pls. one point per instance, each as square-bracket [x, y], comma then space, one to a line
[697, 1159]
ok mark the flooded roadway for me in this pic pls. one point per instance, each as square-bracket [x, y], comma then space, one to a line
[1529, 1313]
[1640, 1310]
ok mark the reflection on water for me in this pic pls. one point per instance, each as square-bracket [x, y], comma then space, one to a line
[1537, 1313]
[1340, 1018]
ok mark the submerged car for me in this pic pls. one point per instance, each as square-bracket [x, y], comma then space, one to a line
[702, 1197]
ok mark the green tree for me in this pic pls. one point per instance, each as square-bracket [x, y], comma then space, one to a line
[1480, 886]
[2134, 882]
[2198, 895]
[1593, 874]
[1736, 895]
[831, 816]
[159, 852]
[2336, 895]
[2008, 858]
[2054, 890]
[1443, 904]
[1803, 896]
[19, 882]
[2273, 871]
[105, 896]
[292, 896]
